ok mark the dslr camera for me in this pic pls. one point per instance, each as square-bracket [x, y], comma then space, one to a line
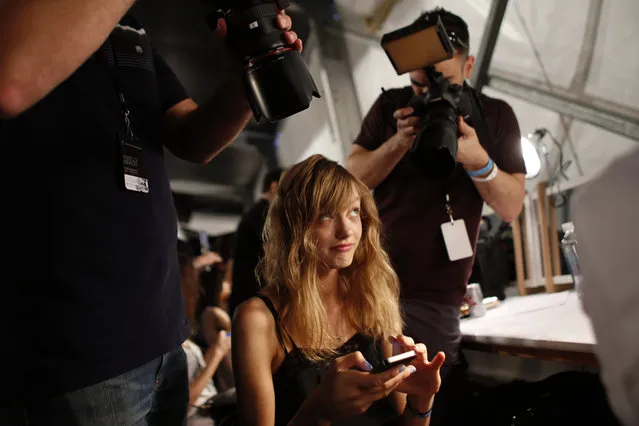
[276, 80]
[420, 46]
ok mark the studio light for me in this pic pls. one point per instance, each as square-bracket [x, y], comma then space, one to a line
[531, 158]
[534, 151]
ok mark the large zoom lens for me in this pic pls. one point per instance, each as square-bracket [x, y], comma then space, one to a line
[435, 147]
[277, 82]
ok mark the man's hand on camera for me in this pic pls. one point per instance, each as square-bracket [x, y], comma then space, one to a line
[470, 153]
[407, 127]
[283, 21]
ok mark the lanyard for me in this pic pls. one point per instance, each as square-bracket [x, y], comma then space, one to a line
[126, 113]
[449, 209]
[132, 168]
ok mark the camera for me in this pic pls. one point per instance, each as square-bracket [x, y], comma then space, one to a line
[435, 146]
[276, 79]
[420, 46]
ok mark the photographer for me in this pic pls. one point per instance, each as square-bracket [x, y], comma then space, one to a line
[413, 207]
[87, 106]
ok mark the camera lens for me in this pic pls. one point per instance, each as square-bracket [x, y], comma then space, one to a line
[276, 80]
[436, 143]
[279, 85]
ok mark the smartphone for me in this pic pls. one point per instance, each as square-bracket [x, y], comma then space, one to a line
[395, 360]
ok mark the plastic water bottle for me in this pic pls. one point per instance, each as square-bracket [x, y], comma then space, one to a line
[569, 247]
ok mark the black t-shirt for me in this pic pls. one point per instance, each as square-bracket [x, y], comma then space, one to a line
[248, 253]
[412, 207]
[91, 283]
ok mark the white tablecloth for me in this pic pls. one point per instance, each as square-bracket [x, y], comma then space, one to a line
[549, 321]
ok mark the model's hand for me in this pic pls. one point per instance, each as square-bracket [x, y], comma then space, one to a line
[426, 380]
[346, 392]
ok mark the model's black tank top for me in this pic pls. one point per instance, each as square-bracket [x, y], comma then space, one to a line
[297, 377]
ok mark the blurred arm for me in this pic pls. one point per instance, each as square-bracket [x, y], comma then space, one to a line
[42, 42]
[373, 167]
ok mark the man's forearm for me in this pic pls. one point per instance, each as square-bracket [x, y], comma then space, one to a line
[42, 42]
[504, 194]
[373, 167]
[199, 133]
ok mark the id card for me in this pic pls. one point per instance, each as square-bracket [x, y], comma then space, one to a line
[456, 240]
[134, 178]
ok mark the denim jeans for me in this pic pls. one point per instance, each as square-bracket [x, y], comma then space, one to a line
[155, 394]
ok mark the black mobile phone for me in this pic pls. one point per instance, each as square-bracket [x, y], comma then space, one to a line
[395, 360]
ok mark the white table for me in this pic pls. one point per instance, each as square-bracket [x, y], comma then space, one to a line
[544, 326]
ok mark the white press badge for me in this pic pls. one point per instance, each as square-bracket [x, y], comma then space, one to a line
[134, 179]
[130, 146]
[456, 236]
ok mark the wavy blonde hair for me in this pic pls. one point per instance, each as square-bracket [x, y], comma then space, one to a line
[291, 263]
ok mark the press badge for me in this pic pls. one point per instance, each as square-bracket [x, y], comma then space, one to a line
[456, 240]
[455, 236]
[134, 179]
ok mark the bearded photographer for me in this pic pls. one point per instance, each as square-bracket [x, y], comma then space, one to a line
[417, 210]
[91, 334]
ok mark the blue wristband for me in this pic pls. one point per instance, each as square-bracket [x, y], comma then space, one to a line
[416, 413]
[483, 170]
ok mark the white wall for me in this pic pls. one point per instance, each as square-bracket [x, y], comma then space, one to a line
[371, 72]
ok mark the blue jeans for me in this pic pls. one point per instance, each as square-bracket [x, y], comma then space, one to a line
[155, 394]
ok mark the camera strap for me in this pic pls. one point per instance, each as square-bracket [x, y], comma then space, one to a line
[481, 125]
[131, 146]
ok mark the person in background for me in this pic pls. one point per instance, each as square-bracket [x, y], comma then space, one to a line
[213, 319]
[89, 106]
[210, 319]
[248, 244]
[305, 347]
[201, 366]
[605, 217]
[227, 283]
[414, 208]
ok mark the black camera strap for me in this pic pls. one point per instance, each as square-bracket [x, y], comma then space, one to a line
[480, 123]
[131, 146]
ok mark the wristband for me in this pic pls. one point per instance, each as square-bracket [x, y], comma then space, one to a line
[416, 413]
[491, 176]
[488, 167]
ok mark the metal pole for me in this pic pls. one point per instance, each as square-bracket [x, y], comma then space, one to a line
[488, 42]
[596, 112]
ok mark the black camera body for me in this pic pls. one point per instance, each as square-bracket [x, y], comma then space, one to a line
[276, 79]
[435, 146]
[420, 46]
